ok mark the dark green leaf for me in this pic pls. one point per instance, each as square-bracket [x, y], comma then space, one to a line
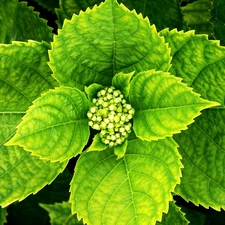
[20, 23]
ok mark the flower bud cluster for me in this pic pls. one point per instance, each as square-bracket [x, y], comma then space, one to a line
[111, 115]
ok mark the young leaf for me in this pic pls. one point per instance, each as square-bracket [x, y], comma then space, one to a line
[174, 216]
[92, 90]
[135, 189]
[20, 23]
[48, 4]
[120, 150]
[163, 105]
[55, 126]
[97, 44]
[121, 81]
[97, 144]
[202, 148]
[60, 213]
[198, 62]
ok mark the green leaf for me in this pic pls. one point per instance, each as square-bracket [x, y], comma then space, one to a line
[22, 174]
[174, 216]
[197, 15]
[163, 105]
[28, 210]
[135, 189]
[55, 126]
[172, 16]
[60, 214]
[108, 39]
[97, 144]
[3, 214]
[49, 4]
[198, 62]
[72, 220]
[218, 20]
[24, 74]
[92, 90]
[202, 148]
[121, 81]
[120, 150]
[20, 23]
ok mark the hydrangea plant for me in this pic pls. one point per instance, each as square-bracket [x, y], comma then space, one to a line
[124, 98]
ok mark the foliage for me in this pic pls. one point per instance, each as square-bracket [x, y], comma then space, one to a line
[161, 120]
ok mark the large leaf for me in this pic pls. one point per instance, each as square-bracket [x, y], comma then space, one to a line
[163, 105]
[197, 15]
[202, 148]
[19, 23]
[28, 210]
[24, 74]
[174, 216]
[199, 62]
[135, 189]
[170, 10]
[218, 20]
[97, 44]
[60, 214]
[55, 126]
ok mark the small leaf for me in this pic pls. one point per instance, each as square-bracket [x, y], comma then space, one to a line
[121, 81]
[58, 212]
[92, 90]
[174, 216]
[108, 39]
[20, 23]
[55, 126]
[163, 105]
[198, 62]
[135, 189]
[120, 150]
[202, 148]
[97, 144]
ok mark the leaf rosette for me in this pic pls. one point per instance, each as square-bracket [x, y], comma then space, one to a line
[130, 99]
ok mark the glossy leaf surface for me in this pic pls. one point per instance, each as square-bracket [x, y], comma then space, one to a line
[97, 44]
[56, 126]
[135, 189]
[17, 23]
[163, 105]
